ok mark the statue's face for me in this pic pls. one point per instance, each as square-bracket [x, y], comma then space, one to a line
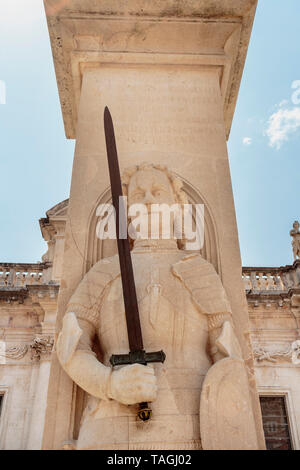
[150, 187]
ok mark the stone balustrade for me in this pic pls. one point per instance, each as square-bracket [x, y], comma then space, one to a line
[272, 279]
[255, 279]
[22, 274]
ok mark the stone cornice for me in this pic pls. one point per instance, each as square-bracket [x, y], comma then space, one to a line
[11, 294]
[33, 267]
[273, 269]
[272, 294]
[19, 294]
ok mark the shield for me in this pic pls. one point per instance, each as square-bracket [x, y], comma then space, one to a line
[226, 417]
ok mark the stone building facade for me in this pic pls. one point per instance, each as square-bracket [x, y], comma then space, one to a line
[192, 85]
[28, 305]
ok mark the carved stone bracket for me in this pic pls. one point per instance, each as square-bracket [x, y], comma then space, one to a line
[41, 346]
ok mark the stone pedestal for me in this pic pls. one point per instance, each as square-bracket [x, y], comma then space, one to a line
[169, 73]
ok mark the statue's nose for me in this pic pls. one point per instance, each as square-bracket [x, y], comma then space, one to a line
[149, 199]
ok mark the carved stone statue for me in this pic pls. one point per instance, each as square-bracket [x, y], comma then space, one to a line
[184, 311]
[295, 233]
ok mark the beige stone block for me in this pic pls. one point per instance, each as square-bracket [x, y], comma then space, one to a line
[116, 434]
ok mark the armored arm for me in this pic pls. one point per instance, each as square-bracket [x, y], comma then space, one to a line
[74, 350]
[75, 341]
[129, 385]
[215, 326]
[222, 339]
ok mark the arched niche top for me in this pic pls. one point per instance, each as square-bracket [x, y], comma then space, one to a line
[97, 249]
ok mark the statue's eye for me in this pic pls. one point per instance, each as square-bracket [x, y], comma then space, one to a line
[157, 192]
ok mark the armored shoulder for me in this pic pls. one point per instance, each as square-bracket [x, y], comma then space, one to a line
[202, 281]
[86, 300]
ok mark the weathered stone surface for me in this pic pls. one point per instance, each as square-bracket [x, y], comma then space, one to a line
[26, 340]
[137, 32]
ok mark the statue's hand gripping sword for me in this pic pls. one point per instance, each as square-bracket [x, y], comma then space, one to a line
[137, 354]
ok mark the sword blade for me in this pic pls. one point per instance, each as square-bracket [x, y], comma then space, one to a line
[129, 292]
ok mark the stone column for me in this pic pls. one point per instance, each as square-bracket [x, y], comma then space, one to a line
[41, 351]
[35, 436]
[169, 73]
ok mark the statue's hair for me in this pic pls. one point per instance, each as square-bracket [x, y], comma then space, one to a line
[176, 183]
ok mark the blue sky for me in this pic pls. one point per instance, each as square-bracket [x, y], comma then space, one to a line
[36, 158]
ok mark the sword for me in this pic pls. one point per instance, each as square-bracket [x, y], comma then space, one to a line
[137, 354]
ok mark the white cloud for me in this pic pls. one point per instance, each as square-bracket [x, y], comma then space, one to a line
[296, 94]
[281, 125]
[283, 103]
[247, 141]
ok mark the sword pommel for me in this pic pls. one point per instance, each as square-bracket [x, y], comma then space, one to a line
[137, 357]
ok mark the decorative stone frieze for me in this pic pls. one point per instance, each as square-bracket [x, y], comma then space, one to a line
[40, 346]
[290, 353]
[15, 352]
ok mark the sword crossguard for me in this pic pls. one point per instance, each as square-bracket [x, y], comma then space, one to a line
[137, 357]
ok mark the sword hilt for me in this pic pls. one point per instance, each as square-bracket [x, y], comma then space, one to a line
[139, 357]
[144, 412]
